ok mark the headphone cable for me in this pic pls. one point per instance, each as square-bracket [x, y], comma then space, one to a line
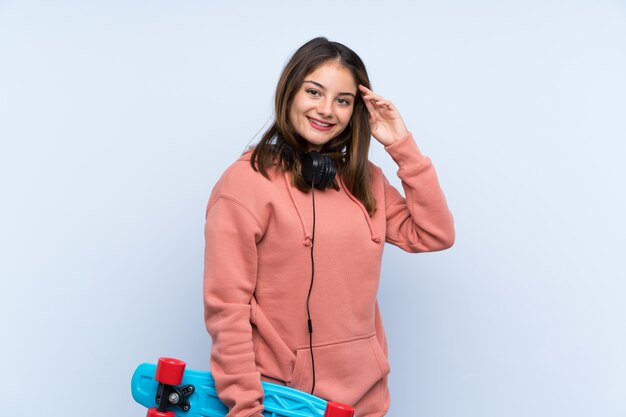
[308, 311]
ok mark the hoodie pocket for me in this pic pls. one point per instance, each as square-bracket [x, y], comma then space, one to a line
[273, 357]
[345, 370]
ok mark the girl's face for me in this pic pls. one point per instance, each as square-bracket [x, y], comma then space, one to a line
[322, 107]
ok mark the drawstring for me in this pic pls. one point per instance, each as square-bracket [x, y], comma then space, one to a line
[375, 237]
[307, 236]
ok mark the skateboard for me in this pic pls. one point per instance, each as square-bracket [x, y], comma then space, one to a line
[169, 390]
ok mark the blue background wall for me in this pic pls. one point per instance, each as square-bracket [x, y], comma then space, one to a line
[116, 118]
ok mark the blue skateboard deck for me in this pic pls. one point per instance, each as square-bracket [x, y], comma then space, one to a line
[280, 401]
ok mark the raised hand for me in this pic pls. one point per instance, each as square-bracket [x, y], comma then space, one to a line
[385, 121]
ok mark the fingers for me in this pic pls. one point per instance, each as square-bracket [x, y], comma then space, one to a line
[369, 97]
[367, 94]
[385, 121]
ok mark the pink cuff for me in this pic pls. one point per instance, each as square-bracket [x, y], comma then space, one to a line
[406, 153]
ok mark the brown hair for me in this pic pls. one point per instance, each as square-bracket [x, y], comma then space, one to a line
[281, 145]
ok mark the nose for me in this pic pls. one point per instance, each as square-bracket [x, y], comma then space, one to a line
[325, 108]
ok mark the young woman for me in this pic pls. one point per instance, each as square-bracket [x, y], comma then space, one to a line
[291, 269]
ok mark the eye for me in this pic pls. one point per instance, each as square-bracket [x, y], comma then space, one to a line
[343, 101]
[313, 92]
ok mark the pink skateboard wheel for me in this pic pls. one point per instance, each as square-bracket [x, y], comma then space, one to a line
[169, 371]
[153, 412]
[334, 409]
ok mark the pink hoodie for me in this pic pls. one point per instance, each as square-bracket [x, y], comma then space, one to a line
[258, 269]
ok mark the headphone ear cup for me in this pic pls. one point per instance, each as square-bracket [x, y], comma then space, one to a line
[328, 171]
[318, 169]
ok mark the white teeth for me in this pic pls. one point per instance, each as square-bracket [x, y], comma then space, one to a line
[319, 123]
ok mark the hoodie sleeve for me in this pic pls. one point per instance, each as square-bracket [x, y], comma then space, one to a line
[232, 231]
[421, 222]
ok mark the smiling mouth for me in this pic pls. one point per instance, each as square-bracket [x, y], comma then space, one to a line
[318, 124]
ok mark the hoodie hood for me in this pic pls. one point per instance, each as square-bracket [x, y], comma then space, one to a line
[342, 188]
[307, 235]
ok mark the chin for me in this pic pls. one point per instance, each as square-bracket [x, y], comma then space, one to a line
[317, 144]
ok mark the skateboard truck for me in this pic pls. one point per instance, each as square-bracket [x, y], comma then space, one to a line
[176, 396]
[169, 374]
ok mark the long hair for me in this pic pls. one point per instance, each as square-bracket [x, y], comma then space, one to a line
[283, 147]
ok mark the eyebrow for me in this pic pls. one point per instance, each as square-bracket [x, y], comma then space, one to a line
[322, 87]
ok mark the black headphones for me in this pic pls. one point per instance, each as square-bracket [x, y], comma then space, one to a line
[318, 169]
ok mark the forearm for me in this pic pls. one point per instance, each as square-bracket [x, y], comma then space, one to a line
[229, 282]
[421, 221]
